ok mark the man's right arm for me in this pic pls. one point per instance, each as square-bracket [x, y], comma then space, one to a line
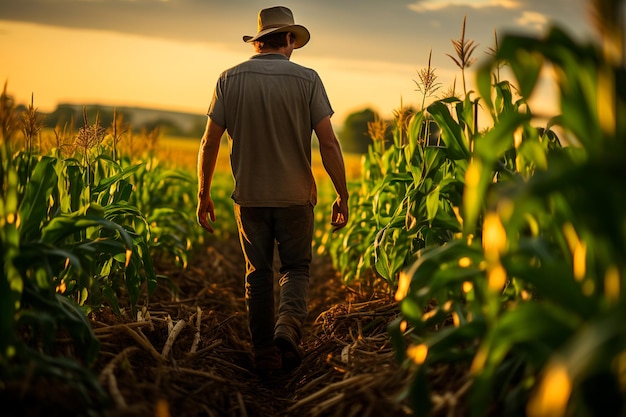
[207, 158]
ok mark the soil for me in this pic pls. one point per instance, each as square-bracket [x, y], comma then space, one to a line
[187, 352]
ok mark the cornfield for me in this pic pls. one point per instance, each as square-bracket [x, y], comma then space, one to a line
[493, 257]
[504, 247]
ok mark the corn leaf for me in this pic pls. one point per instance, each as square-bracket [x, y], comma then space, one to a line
[34, 206]
[451, 132]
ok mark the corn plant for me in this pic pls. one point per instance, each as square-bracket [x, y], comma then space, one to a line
[166, 195]
[530, 295]
[410, 194]
[74, 239]
[33, 308]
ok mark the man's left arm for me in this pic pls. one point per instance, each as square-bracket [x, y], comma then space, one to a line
[332, 159]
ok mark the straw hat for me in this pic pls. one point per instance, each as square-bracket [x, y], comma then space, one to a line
[279, 19]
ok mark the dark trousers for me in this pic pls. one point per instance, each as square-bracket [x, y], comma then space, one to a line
[291, 228]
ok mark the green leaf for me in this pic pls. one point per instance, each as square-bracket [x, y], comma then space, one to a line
[37, 253]
[65, 225]
[107, 182]
[451, 133]
[434, 158]
[111, 298]
[444, 345]
[534, 329]
[522, 54]
[432, 203]
[500, 138]
[34, 206]
[555, 282]
[382, 265]
[435, 259]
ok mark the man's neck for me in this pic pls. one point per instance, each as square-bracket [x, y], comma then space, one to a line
[286, 51]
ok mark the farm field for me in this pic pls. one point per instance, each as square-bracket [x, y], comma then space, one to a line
[481, 273]
[216, 378]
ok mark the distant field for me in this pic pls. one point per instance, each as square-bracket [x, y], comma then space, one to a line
[184, 153]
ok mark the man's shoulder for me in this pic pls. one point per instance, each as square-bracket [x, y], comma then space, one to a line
[303, 69]
[272, 65]
[236, 68]
[291, 68]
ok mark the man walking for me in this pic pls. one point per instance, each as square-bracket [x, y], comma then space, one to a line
[269, 106]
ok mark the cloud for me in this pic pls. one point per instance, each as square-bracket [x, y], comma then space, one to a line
[534, 20]
[433, 5]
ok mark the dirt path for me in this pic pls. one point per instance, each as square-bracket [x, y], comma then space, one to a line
[187, 353]
[348, 368]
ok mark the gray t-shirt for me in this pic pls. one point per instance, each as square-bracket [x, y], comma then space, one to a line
[269, 107]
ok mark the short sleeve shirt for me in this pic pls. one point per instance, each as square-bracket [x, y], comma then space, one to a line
[269, 107]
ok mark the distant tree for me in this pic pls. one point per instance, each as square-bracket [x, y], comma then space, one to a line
[104, 114]
[63, 115]
[166, 126]
[353, 136]
[197, 129]
[71, 115]
[138, 120]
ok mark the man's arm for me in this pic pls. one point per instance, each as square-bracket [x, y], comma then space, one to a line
[207, 157]
[332, 159]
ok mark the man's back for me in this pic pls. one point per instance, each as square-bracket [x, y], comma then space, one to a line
[269, 106]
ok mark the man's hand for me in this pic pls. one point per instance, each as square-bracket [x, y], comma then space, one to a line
[340, 214]
[206, 210]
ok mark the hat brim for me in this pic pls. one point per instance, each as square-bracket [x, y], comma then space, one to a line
[302, 34]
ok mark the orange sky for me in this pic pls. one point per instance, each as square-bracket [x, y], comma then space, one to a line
[86, 66]
[100, 58]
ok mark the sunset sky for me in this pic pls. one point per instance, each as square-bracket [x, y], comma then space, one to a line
[167, 54]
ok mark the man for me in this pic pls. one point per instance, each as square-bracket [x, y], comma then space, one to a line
[269, 107]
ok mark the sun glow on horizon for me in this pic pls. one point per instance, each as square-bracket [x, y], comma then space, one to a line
[80, 65]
